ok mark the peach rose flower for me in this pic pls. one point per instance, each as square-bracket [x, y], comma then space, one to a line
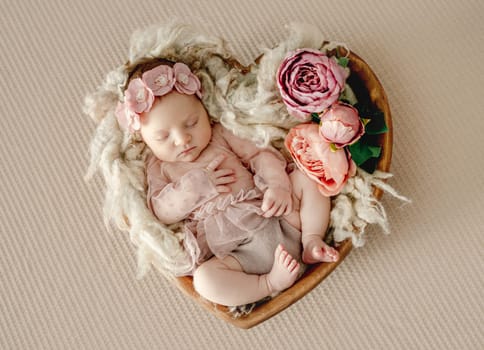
[314, 157]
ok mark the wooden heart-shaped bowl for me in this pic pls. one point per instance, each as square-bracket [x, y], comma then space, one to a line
[315, 273]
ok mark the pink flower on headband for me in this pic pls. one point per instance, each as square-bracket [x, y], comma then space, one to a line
[186, 82]
[162, 79]
[159, 81]
[127, 119]
[138, 97]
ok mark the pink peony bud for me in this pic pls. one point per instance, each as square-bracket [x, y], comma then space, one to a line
[341, 125]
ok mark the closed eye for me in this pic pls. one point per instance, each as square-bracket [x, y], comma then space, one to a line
[192, 123]
[162, 137]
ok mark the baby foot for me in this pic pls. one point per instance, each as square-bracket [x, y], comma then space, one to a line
[315, 250]
[284, 271]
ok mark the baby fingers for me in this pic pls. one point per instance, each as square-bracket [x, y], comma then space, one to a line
[215, 163]
[275, 210]
[224, 176]
[282, 210]
[288, 209]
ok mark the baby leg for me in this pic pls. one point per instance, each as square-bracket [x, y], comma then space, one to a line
[222, 281]
[314, 217]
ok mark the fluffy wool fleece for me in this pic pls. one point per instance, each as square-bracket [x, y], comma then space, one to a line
[245, 101]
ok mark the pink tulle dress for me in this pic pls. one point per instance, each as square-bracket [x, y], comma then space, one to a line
[224, 224]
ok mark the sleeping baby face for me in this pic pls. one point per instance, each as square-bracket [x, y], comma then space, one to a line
[177, 127]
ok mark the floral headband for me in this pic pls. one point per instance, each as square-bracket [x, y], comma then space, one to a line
[159, 81]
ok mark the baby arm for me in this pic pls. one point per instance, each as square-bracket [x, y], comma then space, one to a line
[174, 201]
[269, 167]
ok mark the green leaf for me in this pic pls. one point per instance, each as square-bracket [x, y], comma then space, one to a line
[370, 165]
[365, 151]
[361, 152]
[375, 151]
[376, 125]
[343, 61]
[315, 118]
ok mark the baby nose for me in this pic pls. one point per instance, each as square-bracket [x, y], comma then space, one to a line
[182, 139]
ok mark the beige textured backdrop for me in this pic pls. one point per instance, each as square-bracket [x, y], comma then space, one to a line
[66, 283]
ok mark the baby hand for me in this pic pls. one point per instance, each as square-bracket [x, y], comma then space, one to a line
[220, 177]
[276, 202]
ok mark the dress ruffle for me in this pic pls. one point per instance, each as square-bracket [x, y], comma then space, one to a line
[222, 225]
[223, 202]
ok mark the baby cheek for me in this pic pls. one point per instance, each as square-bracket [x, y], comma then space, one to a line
[163, 153]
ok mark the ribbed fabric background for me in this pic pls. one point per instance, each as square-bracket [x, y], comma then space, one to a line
[67, 283]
